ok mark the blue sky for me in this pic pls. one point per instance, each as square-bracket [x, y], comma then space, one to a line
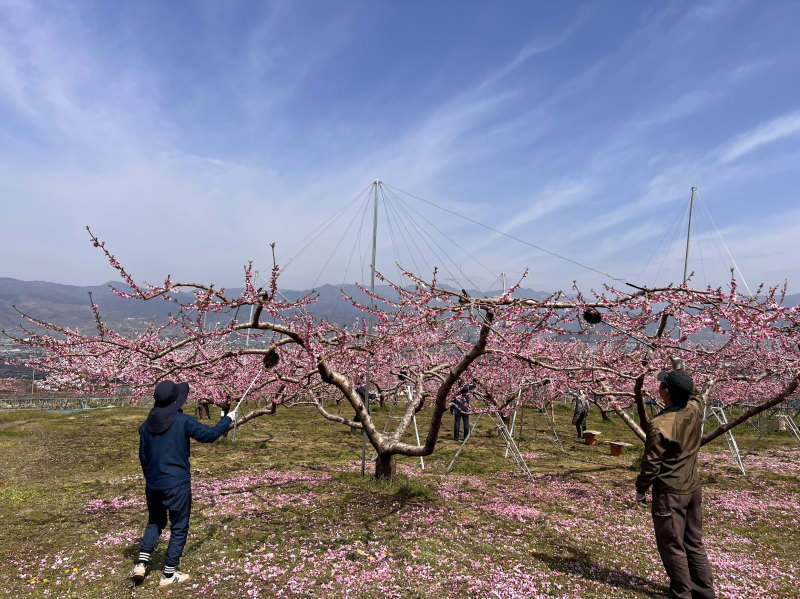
[191, 135]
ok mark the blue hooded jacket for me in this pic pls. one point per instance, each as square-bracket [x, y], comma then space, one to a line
[164, 455]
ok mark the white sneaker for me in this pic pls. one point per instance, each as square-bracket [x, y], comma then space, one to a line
[177, 577]
[138, 573]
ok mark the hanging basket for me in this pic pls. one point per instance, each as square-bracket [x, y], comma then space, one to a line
[271, 359]
[592, 316]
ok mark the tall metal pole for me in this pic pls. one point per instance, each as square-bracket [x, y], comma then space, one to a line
[246, 346]
[677, 363]
[375, 186]
[247, 339]
[688, 236]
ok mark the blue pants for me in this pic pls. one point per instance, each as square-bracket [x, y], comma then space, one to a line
[177, 502]
[463, 418]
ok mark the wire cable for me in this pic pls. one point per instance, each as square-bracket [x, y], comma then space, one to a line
[325, 225]
[444, 257]
[341, 240]
[407, 235]
[509, 236]
[667, 248]
[725, 245]
[453, 242]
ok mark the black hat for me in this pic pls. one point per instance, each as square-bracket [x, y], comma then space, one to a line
[678, 382]
[169, 399]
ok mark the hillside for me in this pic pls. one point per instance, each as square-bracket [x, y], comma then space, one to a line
[69, 305]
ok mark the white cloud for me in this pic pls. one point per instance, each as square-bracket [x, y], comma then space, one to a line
[711, 10]
[579, 155]
[531, 49]
[773, 130]
[556, 197]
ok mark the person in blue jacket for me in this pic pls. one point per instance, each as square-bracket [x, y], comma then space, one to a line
[164, 455]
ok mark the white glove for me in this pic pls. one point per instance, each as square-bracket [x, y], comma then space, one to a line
[232, 414]
[641, 498]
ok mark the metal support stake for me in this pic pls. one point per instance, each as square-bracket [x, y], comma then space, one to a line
[514, 417]
[719, 414]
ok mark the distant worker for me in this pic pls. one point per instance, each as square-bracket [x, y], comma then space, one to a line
[580, 413]
[461, 408]
[164, 456]
[365, 398]
[670, 465]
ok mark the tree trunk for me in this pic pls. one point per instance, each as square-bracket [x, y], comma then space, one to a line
[637, 393]
[203, 410]
[385, 465]
[637, 430]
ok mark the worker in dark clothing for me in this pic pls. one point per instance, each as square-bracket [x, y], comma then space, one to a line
[669, 464]
[164, 456]
[580, 412]
[461, 408]
[365, 398]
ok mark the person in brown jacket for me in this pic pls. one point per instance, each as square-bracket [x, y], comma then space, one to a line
[669, 464]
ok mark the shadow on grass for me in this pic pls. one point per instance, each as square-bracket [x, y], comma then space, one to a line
[131, 553]
[579, 563]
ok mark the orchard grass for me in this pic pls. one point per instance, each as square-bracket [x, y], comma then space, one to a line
[283, 510]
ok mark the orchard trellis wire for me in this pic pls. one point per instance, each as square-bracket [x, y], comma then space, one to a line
[667, 257]
[449, 332]
[410, 232]
[418, 242]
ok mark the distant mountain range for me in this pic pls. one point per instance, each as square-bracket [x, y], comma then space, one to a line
[68, 305]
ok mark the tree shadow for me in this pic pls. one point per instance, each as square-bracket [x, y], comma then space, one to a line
[578, 563]
[568, 472]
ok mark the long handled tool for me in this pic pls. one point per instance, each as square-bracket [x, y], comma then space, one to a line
[235, 410]
[271, 359]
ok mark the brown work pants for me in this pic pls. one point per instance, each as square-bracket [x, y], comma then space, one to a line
[678, 522]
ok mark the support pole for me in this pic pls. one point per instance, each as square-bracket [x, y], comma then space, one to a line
[409, 395]
[733, 447]
[688, 237]
[464, 442]
[516, 409]
[375, 187]
[246, 345]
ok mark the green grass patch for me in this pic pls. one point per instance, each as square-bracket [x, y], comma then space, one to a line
[283, 510]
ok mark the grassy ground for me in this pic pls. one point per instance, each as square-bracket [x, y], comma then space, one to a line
[284, 512]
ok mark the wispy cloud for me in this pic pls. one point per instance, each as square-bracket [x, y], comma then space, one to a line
[710, 10]
[533, 48]
[240, 126]
[773, 130]
[559, 197]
